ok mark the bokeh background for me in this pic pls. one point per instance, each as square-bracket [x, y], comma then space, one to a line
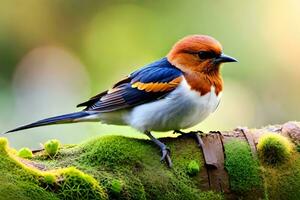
[55, 54]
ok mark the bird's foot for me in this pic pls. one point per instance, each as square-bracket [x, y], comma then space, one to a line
[193, 134]
[165, 151]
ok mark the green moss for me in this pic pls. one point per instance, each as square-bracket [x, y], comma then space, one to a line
[9, 162]
[210, 195]
[123, 168]
[132, 186]
[117, 167]
[298, 148]
[283, 181]
[175, 182]
[136, 163]
[23, 190]
[18, 181]
[49, 179]
[75, 184]
[13, 151]
[113, 151]
[3, 145]
[242, 168]
[274, 149]
[116, 187]
[25, 153]
[193, 168]
[67, 183]
[52, 147]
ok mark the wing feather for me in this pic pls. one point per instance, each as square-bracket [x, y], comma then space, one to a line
[144, 85]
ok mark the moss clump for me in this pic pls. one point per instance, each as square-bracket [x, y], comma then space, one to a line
[193, 168]
[137, 164]
[3, 145]
[18, 181]
[31, 183]
[242, 168]
[273, 148]
[25, 153]
[75, 184]
[116, 187]
[124, 168]
[52, 147]
[113, 151]
[283, 181]
[49, 179]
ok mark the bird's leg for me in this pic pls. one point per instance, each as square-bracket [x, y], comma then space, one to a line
[165, 151]
[194, 134]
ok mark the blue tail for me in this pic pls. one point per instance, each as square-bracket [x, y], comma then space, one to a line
[62, 119]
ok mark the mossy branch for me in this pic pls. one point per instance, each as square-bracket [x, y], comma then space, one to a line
[115, 167]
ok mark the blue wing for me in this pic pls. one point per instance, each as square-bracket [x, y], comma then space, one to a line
[147, 84]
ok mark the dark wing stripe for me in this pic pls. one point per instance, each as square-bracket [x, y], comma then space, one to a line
[111, 101]
[96, 98]
[92, 100]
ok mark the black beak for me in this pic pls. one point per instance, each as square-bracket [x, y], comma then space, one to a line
[224, 59]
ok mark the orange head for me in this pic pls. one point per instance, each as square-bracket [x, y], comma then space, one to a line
[198, 53]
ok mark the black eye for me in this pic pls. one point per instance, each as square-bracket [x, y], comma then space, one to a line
[206, 55]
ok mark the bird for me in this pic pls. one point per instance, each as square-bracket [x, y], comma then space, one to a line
[175, 92]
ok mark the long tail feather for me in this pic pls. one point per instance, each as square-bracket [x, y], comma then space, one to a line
[62, 119]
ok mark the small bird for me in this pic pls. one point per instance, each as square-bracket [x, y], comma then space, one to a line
[173, 93]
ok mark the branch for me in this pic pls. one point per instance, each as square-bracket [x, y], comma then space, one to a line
[231, 165]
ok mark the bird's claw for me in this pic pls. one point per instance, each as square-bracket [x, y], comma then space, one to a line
[165, 151]
[166, 156]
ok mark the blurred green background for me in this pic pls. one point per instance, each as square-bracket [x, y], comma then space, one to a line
[55, 54]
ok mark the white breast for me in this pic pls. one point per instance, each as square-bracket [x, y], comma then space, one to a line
[182, 108]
